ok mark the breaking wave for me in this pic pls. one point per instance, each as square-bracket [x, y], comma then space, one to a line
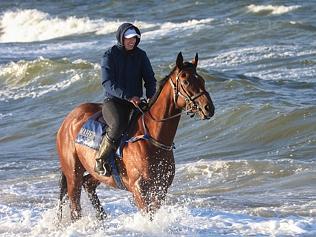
[270, 9]
[17, 25]
[35, 78]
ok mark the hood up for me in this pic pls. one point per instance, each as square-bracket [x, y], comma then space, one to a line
[122, 29]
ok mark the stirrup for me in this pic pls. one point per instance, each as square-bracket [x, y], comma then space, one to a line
[106, 171]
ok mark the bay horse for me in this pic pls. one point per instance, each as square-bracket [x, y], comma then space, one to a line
[147, 167]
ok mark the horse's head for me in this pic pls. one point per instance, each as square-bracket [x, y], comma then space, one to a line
[189, 89]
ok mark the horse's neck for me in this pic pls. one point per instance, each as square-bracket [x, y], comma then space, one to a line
[163, 108]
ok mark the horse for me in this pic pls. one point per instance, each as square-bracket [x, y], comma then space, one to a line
[147, 167]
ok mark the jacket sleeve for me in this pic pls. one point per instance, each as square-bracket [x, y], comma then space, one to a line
[108, 77]
[148, 77]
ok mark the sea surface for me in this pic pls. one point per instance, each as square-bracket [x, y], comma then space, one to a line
[248, 171]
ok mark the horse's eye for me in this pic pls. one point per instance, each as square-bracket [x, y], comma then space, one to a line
[185, 82]
[183, 74]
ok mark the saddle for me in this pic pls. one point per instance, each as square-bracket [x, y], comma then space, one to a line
[92, 131]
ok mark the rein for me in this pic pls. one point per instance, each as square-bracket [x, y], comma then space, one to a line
[168, 118]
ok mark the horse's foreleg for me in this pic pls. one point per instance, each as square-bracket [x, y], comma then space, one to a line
[154, 199]
[63, 191]
[90, 184]
[148, 197]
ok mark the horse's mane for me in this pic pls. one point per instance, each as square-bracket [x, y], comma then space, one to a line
[159, 89]
[164, 80]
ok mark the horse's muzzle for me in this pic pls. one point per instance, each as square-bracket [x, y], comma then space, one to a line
[206, 111]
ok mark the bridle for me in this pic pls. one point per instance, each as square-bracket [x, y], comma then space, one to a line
[190, 103]
[190, 107]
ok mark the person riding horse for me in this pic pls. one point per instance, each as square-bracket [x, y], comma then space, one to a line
[146, 167]
[124, 67]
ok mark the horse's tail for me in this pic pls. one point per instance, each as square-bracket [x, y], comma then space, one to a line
[63, 192]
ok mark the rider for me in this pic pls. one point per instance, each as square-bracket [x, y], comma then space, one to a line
[124, 67]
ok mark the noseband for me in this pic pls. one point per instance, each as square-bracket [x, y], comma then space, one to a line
[190, 103]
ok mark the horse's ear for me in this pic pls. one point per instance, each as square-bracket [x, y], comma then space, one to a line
[195, 60]
[179, 61]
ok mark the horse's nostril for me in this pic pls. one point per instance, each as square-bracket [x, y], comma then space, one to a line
[207, 108]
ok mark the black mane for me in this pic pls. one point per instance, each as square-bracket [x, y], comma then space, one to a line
[159, 89]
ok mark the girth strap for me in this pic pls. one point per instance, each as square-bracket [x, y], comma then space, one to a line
[153, 141]
[146, 136]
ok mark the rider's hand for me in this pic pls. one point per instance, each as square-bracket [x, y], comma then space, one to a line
[135, 100]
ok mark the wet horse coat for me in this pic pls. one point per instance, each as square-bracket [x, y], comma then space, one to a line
[147, 168]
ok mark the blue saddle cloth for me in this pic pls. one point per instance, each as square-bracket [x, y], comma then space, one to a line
[91, 133]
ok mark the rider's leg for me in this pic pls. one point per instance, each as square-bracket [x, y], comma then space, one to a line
[116, 114]
[106, 147]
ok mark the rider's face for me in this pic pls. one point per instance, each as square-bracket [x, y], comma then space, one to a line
[129, 43]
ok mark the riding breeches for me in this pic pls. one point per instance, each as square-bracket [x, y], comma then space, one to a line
[116, 114]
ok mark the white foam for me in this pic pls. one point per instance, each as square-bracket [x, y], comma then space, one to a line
[247, 55]
[2, 116]
[17, 70]
[164, 219]
[33, 213]
[271, 226]
[35, 92]
[168, 28]
[53, 49]
[274, 10]
[306, 74]
[34, 25]
[186, 25]
[115, 24]
[228, 60]
[169, 221]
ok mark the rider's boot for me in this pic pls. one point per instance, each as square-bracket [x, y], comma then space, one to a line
[102, 167]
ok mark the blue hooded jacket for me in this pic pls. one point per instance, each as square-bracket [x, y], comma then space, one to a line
[123, 72]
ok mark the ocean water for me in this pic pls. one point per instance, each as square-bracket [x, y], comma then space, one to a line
[249, 171]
